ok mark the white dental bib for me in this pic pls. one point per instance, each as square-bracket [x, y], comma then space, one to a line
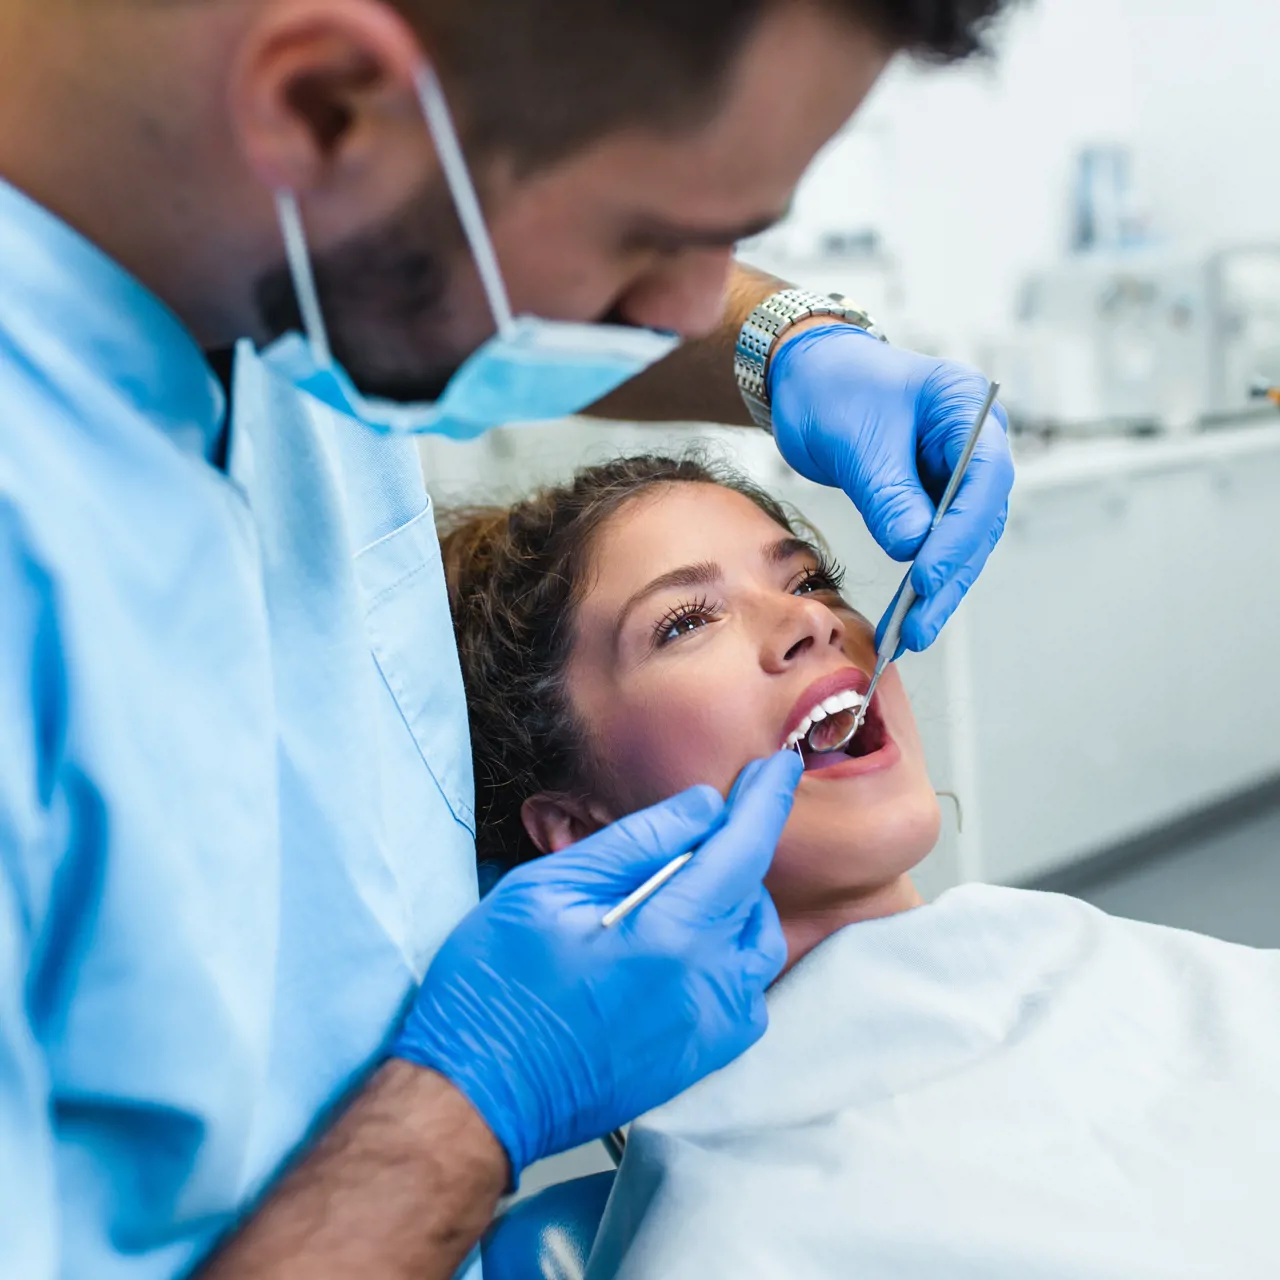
[1003, 1085]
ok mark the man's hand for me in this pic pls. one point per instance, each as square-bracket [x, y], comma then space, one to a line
[887, 426]
[559, 1030]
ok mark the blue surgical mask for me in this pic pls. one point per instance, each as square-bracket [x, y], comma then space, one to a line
[530, 370]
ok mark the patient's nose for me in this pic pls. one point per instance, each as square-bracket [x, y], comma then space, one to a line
[805, 628]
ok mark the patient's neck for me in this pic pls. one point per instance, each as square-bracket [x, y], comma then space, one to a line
[804, 929]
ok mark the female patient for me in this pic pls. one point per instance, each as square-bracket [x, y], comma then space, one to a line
[999, 1084]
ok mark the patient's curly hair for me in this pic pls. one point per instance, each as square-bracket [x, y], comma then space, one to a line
[515, 575]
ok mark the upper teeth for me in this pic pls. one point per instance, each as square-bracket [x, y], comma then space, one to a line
[850, 700]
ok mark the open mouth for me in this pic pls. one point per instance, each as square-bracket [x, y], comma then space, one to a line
[873, 737]
[824, 716]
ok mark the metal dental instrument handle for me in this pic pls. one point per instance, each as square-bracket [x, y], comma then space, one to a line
[906, 596]
[644, 892]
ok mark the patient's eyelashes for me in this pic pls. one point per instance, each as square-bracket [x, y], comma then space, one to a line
[826, 575]
[684, 618]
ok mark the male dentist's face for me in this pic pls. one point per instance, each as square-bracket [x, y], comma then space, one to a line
[637, 228]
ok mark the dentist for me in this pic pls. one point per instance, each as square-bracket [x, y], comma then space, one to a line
[252, 1020]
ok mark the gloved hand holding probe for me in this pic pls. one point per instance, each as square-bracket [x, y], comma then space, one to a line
[887, 426]
[559, 1030]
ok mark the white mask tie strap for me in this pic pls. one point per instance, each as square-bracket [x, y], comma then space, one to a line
[304, 280]
[463, 190]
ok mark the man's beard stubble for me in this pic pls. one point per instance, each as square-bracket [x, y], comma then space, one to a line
[384, 295]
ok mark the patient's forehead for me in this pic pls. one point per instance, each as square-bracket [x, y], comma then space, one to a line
[673, 525]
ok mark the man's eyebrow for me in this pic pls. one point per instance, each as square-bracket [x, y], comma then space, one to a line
[778, 553]
[687, 575]
[660, 232]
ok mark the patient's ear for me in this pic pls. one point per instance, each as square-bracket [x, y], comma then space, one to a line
[554, 820]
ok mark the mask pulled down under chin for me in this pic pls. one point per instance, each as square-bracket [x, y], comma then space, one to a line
[535, 370]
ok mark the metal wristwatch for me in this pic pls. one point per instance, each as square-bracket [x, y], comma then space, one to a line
[767, 323]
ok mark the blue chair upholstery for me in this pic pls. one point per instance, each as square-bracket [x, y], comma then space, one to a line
[549, 1235]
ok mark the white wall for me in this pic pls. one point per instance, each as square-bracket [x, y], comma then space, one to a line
[968, 171]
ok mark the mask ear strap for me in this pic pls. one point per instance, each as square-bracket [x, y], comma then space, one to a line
[304, 280]
[456, 174]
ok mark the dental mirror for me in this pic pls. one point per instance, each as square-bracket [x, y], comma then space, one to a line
[835, 732]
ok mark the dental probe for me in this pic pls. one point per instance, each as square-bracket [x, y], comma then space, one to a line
[906, 596]
[644, 892]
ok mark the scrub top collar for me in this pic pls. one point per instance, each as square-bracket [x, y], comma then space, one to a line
[107, 322]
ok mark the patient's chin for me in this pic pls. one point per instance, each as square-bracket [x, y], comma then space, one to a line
[911, 830]
[824, 859]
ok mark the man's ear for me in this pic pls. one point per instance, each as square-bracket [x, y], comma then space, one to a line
[313, 85]
[554, 821]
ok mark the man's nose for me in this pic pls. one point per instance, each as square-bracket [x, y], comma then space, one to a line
[804, 629]
[684, 294]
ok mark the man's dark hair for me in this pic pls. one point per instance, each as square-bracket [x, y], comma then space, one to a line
[595, 66]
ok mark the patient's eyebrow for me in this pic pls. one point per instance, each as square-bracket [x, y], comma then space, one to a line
[687, 575]
[778, 553]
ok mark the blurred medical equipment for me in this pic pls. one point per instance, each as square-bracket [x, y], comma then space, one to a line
[906, 596]
[1106, 213]
[1264, 389]
[1144, 340]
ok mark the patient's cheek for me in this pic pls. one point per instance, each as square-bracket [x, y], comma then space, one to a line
[656, 752]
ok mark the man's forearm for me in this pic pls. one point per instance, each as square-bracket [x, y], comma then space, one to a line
[403, 1185]
[696, 382]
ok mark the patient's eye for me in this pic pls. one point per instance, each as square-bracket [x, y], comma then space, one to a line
[826, 575]
[683, 619]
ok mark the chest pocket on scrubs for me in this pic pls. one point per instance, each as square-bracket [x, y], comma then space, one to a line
[410, 632]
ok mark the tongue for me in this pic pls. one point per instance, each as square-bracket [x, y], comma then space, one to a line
[812, 763]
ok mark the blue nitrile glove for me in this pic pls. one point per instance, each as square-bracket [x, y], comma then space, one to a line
[558, 1030]
[887, 426]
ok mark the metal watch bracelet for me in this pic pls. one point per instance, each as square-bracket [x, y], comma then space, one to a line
[767, 323]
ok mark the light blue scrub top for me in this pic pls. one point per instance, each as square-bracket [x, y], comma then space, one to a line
[235, 787]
